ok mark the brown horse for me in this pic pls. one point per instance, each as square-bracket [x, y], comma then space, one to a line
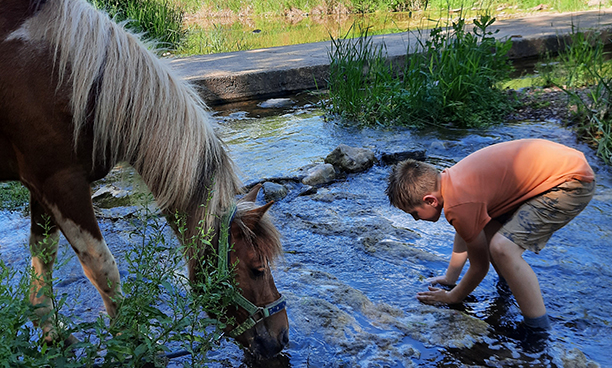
[79, 94]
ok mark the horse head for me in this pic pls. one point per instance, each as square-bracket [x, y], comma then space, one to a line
[248, 244]
[256, 245]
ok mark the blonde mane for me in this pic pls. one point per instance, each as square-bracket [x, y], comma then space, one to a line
[141, 113]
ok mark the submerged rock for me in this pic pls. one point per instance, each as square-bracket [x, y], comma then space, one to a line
[397, 250]
[394, 158]
[109, 196]
[328, 312]
[576, 359]
[443, 327]
[276, 103]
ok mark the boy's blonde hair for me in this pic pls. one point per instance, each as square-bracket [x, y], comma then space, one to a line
[409, 182]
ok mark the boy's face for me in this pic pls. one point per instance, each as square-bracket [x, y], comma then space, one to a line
[426, 212]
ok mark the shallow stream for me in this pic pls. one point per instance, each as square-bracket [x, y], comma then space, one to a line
[353, 264]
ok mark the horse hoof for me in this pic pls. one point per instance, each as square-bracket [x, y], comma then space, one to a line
[70, 340]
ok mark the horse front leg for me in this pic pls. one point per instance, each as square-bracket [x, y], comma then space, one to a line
[68, 199]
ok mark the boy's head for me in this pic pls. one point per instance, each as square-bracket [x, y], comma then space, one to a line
[411, 186]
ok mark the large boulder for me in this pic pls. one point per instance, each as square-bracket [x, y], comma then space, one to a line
[351, 159]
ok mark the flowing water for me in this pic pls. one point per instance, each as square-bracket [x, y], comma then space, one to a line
[353, 264]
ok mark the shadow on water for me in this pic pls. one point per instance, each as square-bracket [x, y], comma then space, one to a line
[353, 264]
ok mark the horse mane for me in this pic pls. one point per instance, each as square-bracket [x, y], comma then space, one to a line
[141, 111]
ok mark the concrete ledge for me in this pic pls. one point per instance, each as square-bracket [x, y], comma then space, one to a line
[280, 71]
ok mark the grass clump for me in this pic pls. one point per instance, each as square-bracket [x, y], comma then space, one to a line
[13, 196]
[449, 80]
[220, 38]
[159, 313]
[158, 20]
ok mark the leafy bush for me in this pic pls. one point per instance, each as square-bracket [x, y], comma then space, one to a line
[449, 80]
[159, 312]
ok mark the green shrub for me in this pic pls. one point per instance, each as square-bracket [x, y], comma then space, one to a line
[159, 312]
[449, 80]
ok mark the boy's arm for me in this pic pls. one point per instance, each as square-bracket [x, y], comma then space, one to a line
[478, 254]
[455, 266]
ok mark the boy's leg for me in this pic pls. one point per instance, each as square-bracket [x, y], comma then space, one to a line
[530, 228]
[520, 277]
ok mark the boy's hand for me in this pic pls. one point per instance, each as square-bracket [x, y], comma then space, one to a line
[439, 280]
[435, 295]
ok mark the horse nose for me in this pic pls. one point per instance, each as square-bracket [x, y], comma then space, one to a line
[283, 338]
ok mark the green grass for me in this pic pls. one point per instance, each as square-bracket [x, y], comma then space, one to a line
[13, 196]
[162, 20]
[159, 311]
[158, 20]
[583, 70]
[442, 84]
[273, 7]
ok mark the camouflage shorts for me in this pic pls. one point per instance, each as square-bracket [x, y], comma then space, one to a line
[534, 222]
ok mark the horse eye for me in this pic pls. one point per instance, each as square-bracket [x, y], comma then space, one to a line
[258, 272]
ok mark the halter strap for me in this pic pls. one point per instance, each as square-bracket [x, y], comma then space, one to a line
[256, 314]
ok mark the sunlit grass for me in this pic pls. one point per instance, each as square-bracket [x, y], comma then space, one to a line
[207, 33]
[449, 80]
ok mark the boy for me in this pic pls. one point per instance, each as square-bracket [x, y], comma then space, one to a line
[501, 200]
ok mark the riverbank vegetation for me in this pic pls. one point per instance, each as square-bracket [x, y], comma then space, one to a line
[448, 80]
[159, 316]
[456, 79]
[317, 7]
[583, 71]
[188, 27]
[157, 20]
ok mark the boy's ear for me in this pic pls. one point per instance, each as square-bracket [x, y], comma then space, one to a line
[431, 200]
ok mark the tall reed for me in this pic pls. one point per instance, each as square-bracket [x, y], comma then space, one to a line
[449, 80]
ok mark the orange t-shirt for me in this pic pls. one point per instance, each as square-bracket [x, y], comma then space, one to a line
[498, 178]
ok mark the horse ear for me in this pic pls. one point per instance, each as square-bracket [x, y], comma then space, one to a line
[251, 196]
[253, 216]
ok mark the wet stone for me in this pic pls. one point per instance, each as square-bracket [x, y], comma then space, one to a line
[444, 327]
[276, 103]
[273, 191]
[320, 174]
[394, 250]
[351, 159]
[109, 196]
[328, 312]
[394, 158]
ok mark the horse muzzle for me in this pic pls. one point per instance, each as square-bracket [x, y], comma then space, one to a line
[262, 344]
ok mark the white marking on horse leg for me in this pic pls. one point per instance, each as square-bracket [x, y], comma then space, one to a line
[96, 259]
